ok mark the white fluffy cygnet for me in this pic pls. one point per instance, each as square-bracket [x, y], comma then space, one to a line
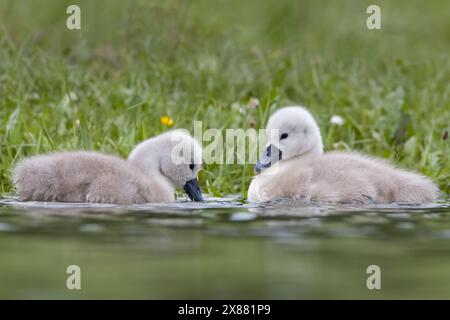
[294, 166]
[153, 170]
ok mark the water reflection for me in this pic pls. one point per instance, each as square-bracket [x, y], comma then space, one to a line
[224, 248]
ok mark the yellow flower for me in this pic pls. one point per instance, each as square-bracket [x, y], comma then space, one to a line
[166, 120]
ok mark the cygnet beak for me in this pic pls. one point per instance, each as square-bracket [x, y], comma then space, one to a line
[193, 190]
[270, 156]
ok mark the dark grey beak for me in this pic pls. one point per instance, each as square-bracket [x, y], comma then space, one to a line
[193, 190]
[270, 156]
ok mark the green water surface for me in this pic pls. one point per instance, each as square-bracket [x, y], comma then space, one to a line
[223, 250]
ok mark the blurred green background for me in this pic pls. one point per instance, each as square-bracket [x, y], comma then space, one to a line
[106, 86]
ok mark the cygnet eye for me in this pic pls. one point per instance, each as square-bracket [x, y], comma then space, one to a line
[192, 166]
[283, 136]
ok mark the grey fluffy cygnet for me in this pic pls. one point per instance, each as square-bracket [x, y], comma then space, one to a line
[153, 170]
[294, 166]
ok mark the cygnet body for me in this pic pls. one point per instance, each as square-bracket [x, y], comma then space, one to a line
[294, 166]
[153, 170]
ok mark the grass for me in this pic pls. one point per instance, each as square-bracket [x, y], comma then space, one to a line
[106, 86]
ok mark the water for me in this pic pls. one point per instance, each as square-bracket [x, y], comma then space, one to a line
[224, 249]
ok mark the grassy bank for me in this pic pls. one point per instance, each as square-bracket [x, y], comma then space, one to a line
[106, 87]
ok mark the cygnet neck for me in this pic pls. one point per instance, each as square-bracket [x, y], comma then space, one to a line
[312, 153]
[146, 157]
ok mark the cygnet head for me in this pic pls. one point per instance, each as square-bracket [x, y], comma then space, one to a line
[291, 132]
[174, 155]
